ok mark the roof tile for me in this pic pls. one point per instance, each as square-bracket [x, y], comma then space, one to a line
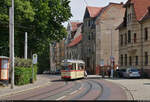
[94, 11]
[140, 7]
[75, 41]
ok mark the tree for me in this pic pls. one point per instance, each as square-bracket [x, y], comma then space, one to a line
[42, 19]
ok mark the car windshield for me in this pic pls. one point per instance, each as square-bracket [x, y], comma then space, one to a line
[134, 70]
[123, 70]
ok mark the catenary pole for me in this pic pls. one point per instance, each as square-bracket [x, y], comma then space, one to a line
[12, 44]
[25, 47]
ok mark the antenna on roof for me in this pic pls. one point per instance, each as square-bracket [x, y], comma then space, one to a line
[86, 2]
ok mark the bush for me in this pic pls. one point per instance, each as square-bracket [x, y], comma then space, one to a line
[23, 75]
[23, 71]
[20, 62]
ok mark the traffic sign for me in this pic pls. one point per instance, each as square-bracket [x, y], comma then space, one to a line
[102, 62]
[34, 59]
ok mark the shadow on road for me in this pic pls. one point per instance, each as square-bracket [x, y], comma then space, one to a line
[59, 80]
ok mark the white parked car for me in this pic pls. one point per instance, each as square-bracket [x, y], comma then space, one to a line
[132, 73]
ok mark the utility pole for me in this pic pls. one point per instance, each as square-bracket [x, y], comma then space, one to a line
[25, 47]
[51, 58]
[11, 38]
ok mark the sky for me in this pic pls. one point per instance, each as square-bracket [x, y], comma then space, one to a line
[78, 7]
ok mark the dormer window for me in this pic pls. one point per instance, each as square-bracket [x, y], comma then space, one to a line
[129, 18]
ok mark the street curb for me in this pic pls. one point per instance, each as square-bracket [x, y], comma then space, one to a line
[128, 93]
[11, 93]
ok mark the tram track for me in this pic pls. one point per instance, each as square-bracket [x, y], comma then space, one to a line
[101, 89]
[87, 87]
[37, 94]
[90, 87]
[61, 93]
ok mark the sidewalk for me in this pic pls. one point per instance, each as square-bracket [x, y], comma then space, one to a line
[42, 80]
[139, 89]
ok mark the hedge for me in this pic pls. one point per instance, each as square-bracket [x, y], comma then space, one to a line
[23, 75]
[23, 71]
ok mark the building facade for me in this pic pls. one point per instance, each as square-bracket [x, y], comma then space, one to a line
[74, 48]
[107, 37]
[74, 30]
[89, 35]
[134, 48]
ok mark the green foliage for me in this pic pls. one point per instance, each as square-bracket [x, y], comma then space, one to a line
[20, 62]
[42, 19]
[23, 75]
[43, 61]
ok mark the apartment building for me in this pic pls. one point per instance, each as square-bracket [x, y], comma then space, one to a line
[89, 35]
[73, 38]
[134, 38]
[107, 38]
[75, 47]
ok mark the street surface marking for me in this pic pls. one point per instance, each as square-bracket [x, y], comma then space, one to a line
[80, 87]
[61, 98]
[73, 92]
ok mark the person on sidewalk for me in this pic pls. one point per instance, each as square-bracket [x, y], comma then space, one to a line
[109, 71]
[112, 72]
[85, 73]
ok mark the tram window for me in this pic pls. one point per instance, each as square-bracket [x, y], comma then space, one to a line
[65, 68]
[73, 66]
[81, 67]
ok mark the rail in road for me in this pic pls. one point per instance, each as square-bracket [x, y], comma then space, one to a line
[85, 89]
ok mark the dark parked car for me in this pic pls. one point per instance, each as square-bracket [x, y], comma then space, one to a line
[120, 72]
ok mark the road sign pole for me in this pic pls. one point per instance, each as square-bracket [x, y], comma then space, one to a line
[34, 61]
[32, 73]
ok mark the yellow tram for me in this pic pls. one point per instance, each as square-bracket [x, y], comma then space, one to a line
[72, 69]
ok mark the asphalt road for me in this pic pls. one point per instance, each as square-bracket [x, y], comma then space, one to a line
[81, 89]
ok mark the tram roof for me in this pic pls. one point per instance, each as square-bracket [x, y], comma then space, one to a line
[74, 61]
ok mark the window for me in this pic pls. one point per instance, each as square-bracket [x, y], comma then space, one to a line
[146, 58]
[129, 36]
[121, 59]
[130, 17]
[125, 59]
[89, 37]
[125, 39]
[89, 50]
[89, 23]
[136, 60]
[130, 60]
[146, 34]
[92, 35]
[121, 39]
[134, 37]
[127, 18]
